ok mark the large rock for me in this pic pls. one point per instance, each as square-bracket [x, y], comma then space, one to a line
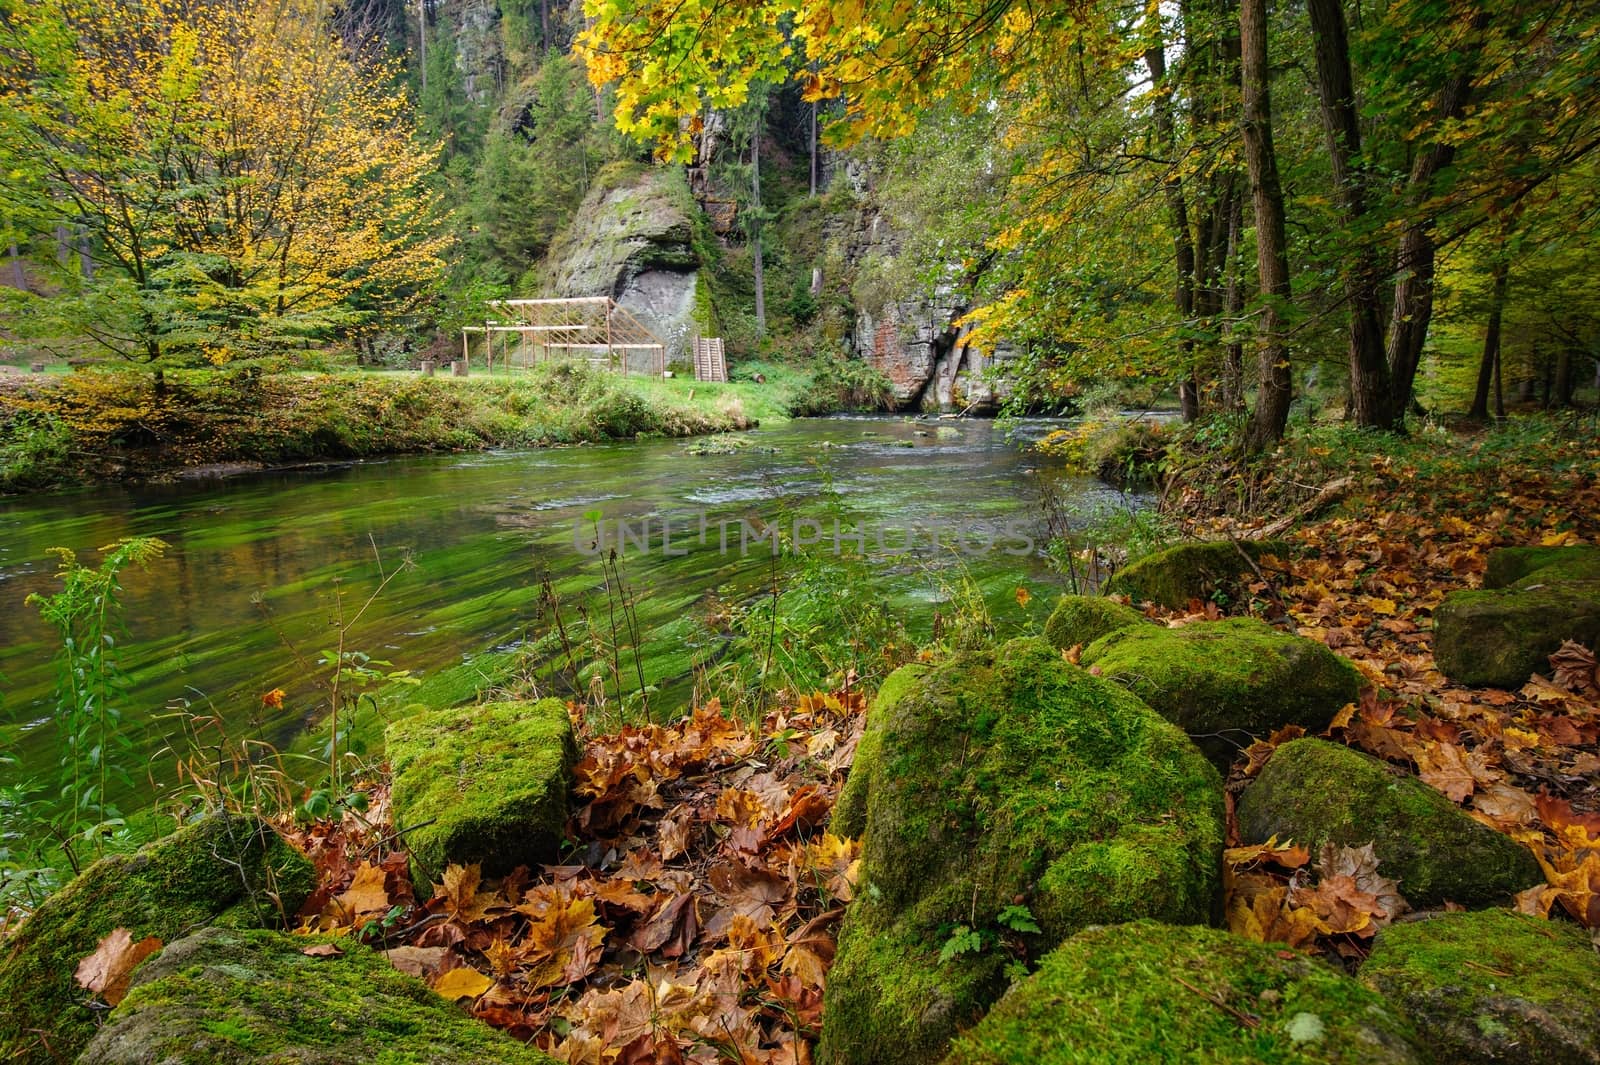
[227, 868]
[1493, 986]
[849, 817]
[1225, 682]
[1515, 565]
[632, 239]
[485, 784]
[1315, 792]
[226, 995]
[1008, 778]
[1210, 570]
[1501, 637]
[1079, 620]
[1146, 992]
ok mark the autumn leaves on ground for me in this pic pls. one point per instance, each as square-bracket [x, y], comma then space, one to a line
[695, 915]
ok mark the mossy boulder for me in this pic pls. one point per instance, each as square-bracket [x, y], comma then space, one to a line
[1510, 565]
[1219, 570]
[850, 809]
[222, 865]
[226, 995]
[1079, 620]
[1225, 682]
[1146, 992]
[1314, 792]
[1501, 637]
[1001, 778]
[485, 784]
[1493, 986]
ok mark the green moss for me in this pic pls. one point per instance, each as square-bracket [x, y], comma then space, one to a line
[1314, 792]
[1214, 570]
[1501, 637]
[1578, 566]
[1079, 620]
[850, 809]
[1509, 565]
[1146, 992]
[1493, 986]
[1224, 682]
[222, 865]
[225, 995]
[1000, 776]
[491, 782]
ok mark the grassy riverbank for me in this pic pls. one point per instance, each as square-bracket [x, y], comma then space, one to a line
[84, 427]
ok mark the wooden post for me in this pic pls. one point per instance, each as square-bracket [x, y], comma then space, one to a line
[427, 367]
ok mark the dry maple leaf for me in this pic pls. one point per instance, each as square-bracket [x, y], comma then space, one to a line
[107, 971]
[1443, 767]
[463, 902]
[1575, 668]
[462, 983]
[367, 893]
[1361, 865]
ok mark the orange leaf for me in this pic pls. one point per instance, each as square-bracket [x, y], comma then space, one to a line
[107, 971]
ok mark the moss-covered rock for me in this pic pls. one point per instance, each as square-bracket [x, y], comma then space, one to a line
[1493, 986]
[1079, 620]
[1209, 570]
[1224, 682]
[1146, 992]
[485, 784]
[1509, 565]
[223, 864]
[1313, 792]
[1501, 637]
[225, 995]
[1008, 777]
[850, 809]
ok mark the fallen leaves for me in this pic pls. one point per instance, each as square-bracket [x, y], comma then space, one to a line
[108, 970]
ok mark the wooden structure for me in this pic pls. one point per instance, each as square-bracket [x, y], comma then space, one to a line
[592, 329]
[709, 364]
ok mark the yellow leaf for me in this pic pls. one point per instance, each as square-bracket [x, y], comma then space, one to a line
[462, 983]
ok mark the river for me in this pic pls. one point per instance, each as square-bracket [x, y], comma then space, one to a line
[261, 566]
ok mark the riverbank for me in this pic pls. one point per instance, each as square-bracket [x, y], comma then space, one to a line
[84, 427]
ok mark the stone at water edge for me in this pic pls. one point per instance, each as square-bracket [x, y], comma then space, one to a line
[849, 818]
[233, 869]
[1513, 565]
[230, 995]
[1493, 986]
[1314, 792]
[1201, 570]
[482, 784]
[1001, 777]
[1226, 682]
[1079, 620]
[1147, 992]
[1502, 637]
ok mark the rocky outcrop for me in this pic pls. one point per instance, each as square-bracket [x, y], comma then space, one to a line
[1227, 682]
[226, 995]
[1147, 992]
[1009, 793]
[482, 784]
[1210, 570]
[1315, 792]
[632, 240]
[230, 869]
[1493, 987]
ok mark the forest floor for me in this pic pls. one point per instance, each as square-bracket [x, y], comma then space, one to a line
[694, 917]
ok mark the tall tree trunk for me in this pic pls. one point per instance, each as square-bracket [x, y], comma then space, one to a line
[544, 25]
[755, 229]
[1178, 217]
[1489, 368]
[19, 276]
[1232, 307]
[1413, 292]
[1371, 399]
[1566, 381]
[422, 41]
[1275, 385]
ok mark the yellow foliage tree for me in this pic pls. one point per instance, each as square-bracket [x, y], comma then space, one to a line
[244, 184]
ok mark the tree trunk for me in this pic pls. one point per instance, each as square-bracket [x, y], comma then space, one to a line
[19, 276]
[1275, 387]
[1489, 368]
[755, 229]
[422, 41]
[815, 175]
[1371, 400]
[1232, 306]
[544, 25]
[1182, 240]
[1566, 380]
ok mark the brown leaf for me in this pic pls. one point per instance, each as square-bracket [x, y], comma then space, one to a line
[323, 950]
[1443, 766]
[367, 893]
[1575, 668]
[418, 961]
[107, 971]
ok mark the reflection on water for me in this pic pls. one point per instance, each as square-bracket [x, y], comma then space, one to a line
[480, 530]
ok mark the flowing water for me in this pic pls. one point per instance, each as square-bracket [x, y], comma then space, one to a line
[261, 568]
